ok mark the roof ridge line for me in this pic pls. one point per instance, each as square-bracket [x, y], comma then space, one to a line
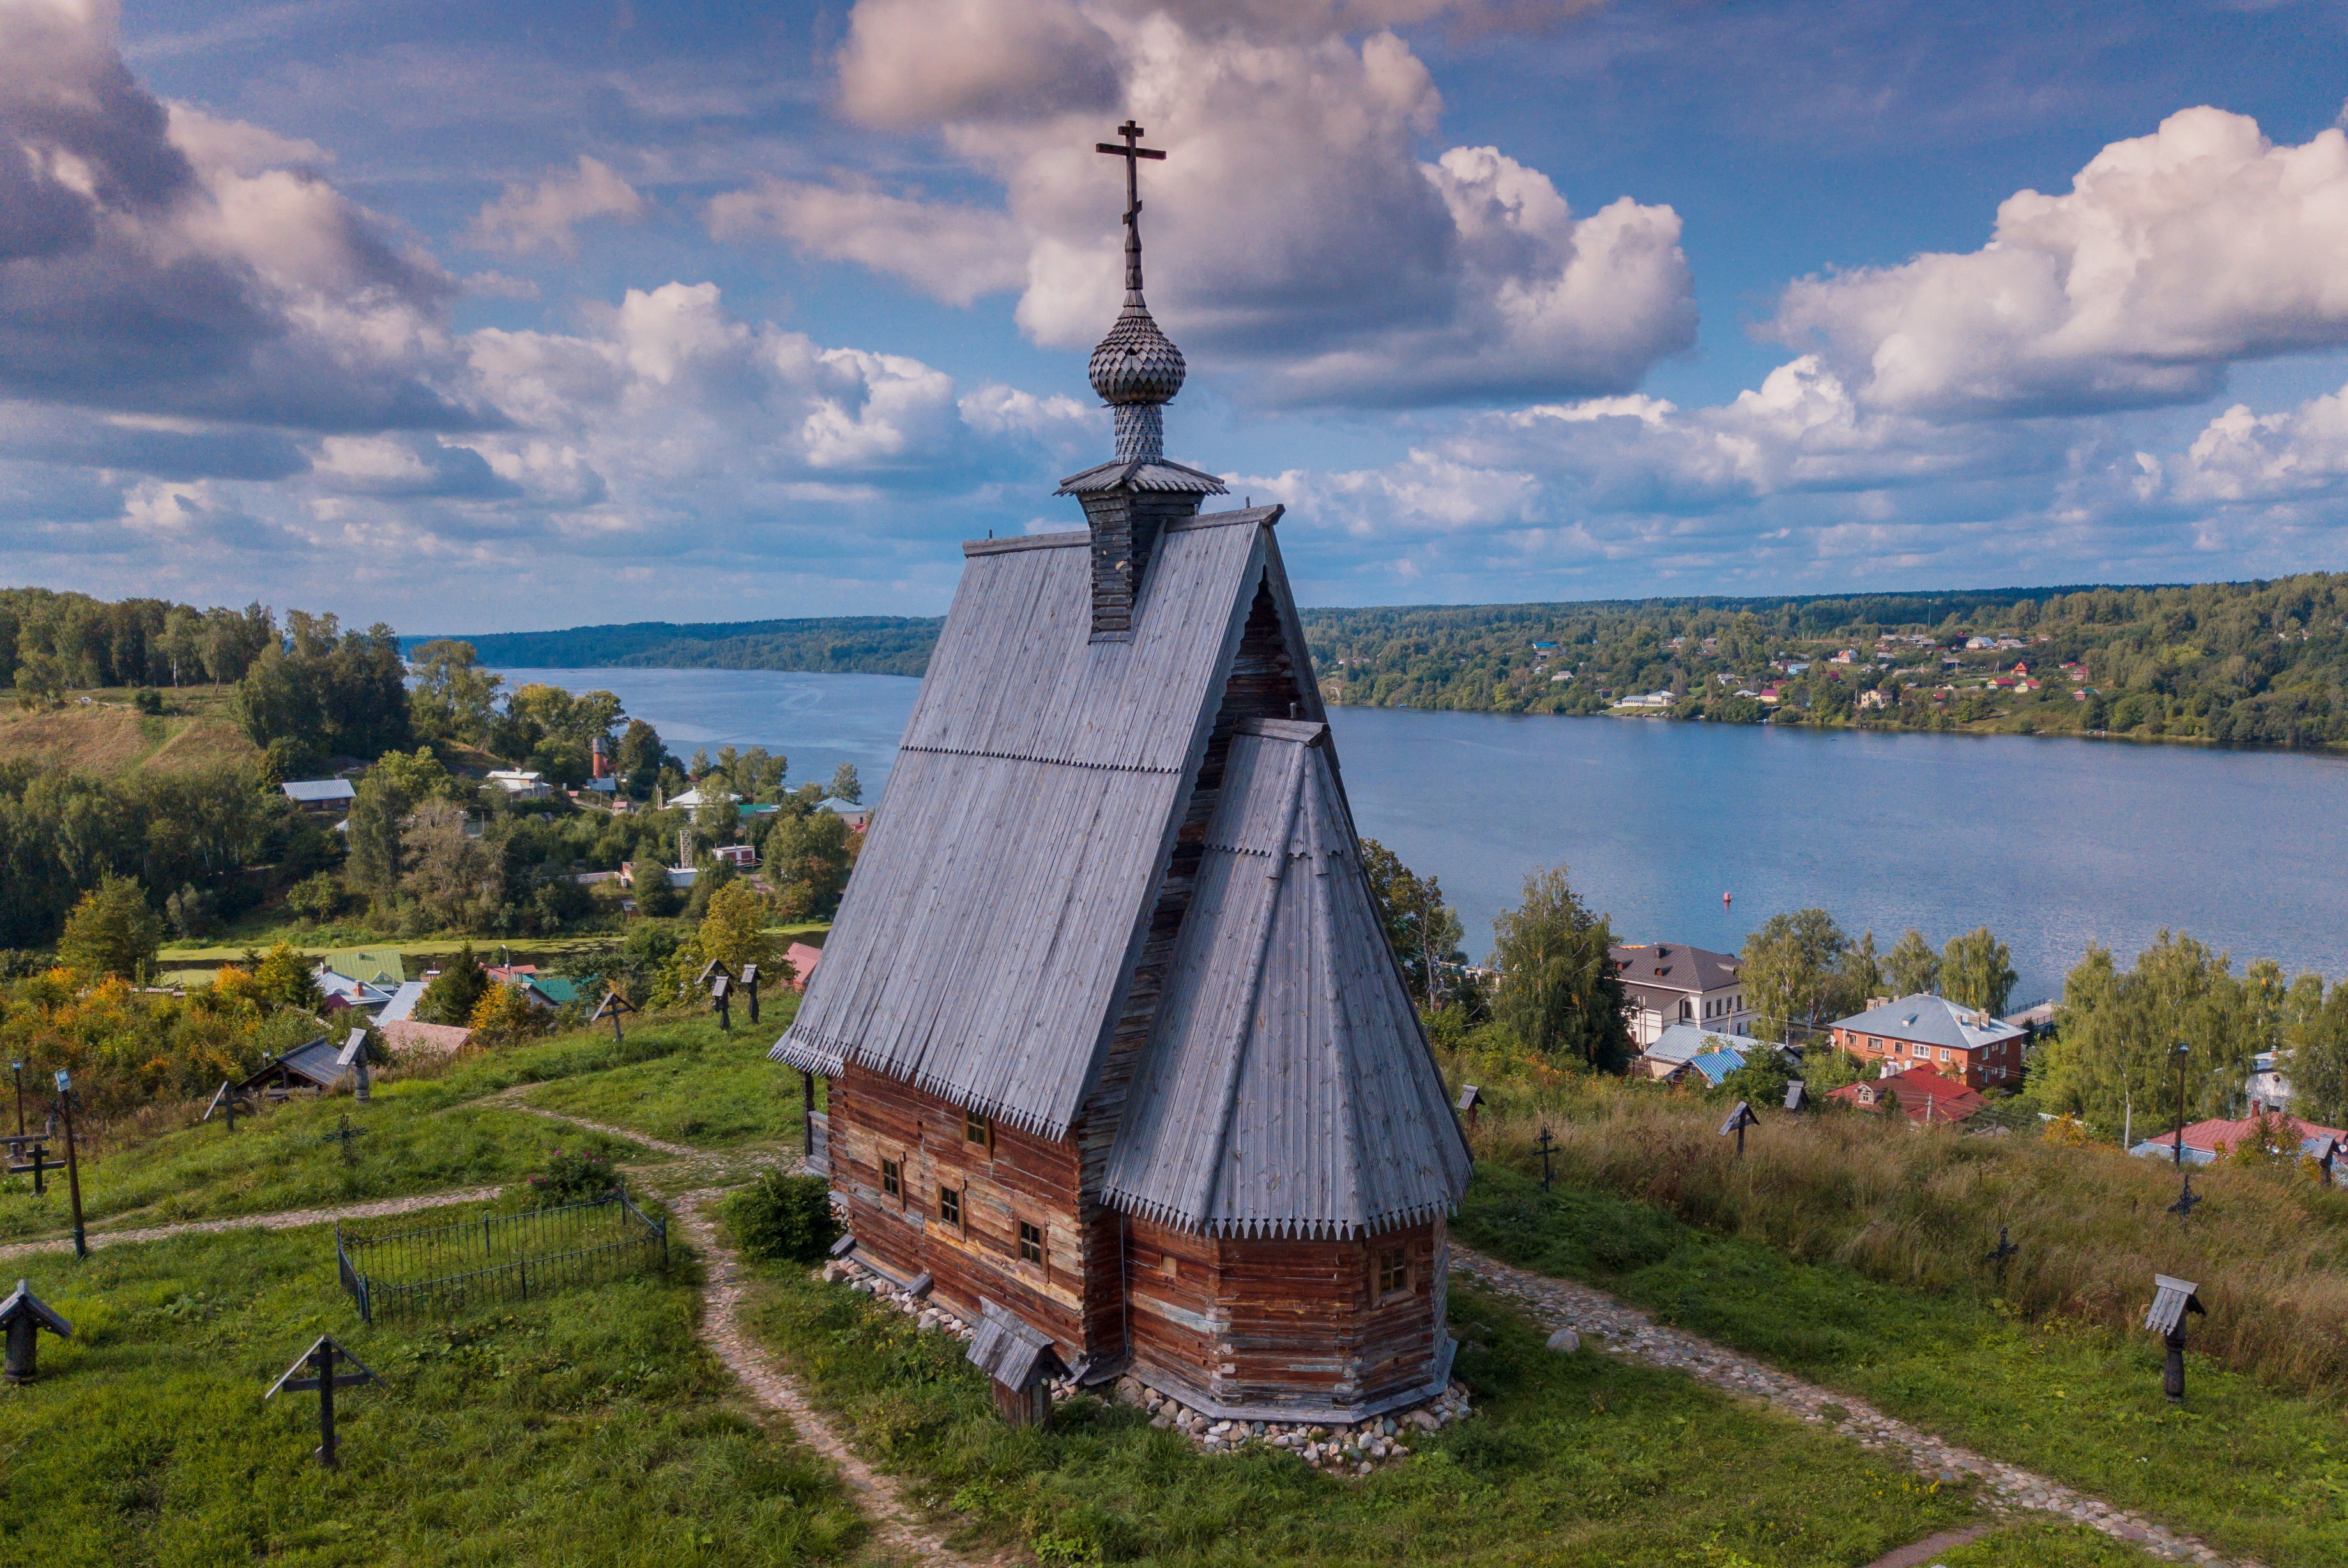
[1030, 756]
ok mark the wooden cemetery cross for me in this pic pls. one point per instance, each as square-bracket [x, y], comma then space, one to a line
[611, 1007]
[711, 970]
[2171, 1300]
[1738, 1120]
[346, 1135]
[23, 1317]
[319, 1359]
[353, 1059]
[750, 985]
[73, 1166]
[29, 1156]
[223, 1099]
[1546, 1146]
[1999, 1253]
[1471, 1100]
[719, 1000]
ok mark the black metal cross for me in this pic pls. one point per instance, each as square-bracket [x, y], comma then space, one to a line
[2183, 1207]
[1132, 151]
[1999, 1253]
[1546, 1146]
[344, 1134]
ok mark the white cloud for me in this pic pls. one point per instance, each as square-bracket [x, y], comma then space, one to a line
[528, 219]
[951, 252]
[2171, 255]
[1294, 234]
[159, 260]
[2296, 454]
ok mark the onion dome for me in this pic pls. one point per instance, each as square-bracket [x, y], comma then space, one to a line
[1136, 363]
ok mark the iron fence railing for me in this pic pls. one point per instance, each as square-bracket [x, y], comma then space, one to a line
[497, 1257]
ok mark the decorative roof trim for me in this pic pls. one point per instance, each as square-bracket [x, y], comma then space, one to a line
[1160, 474]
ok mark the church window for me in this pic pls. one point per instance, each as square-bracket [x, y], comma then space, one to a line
[893, 1180]
[1169, 1266]
[1031, 1242]
[1393, 1271]
[949, 1206]
[976, 1129]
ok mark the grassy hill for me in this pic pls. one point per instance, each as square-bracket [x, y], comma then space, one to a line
[99, 732]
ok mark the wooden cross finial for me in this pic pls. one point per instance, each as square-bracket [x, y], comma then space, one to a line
[1132, 151]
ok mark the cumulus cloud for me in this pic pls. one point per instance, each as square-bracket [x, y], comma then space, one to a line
[2297, 454]
[160, 262]
[544, 217]
[2171, 255]
[1295, 235]
[951, 252]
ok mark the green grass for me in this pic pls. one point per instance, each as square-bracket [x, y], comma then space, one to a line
[588, 1428]
[1572, 1460]
[412, 1141]
[718, 1092]
[2251, 1469]
[2045, 1545]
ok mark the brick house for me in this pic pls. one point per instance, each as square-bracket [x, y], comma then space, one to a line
[1921, 1095]
[1961, 1043]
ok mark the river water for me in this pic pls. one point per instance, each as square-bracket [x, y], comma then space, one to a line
[2052, 843]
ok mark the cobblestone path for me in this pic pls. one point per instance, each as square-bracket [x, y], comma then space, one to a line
[2007, 1489]
[285, 1219]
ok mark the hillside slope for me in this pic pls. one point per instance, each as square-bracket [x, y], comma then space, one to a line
[109, 738]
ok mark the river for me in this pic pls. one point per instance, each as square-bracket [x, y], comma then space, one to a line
[2052, 843]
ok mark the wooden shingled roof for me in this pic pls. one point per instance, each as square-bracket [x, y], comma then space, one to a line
[1287, 1091]
[1006, 878]
[987, 941]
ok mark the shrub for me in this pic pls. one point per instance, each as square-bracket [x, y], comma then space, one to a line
[784, 1217]
[146, 699]
[316, 899]
[572, 1179]
[505, 1015]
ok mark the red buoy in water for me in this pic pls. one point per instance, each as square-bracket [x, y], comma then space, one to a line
[1724, 901]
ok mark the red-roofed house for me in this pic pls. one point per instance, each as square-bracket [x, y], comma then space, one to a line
[803, 960]
[1927, 1098]
[2206, 1141]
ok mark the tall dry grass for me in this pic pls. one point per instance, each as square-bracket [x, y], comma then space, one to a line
[1921, 1208]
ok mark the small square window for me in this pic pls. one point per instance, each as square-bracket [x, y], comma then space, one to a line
[976, 1129]
[949, 1206]
[893, 1180]
[1169, 1266]
[1393, 1271]
[1031, 1242]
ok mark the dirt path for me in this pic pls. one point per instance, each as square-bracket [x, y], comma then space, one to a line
[898, 1525]
[2008, 1489]
[1931, 1546]
[511, 1099]
[285, 1219]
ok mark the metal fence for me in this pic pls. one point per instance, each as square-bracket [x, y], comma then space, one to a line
[497, 1257]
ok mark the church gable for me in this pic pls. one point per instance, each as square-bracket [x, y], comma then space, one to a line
[1003, 895]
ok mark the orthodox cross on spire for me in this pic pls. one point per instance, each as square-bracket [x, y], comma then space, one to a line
[1136, 369]
[1133, 152]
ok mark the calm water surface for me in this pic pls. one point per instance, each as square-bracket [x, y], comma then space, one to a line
[2054, 844]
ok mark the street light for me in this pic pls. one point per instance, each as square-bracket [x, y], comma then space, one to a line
[2181, 1054]
[17, 1071]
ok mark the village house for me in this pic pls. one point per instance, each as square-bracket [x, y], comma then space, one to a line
[857, 817]
[1682, 1045]
[520, 784]
[1920, 1093]
[1118, 1058]
[1964, 1043]
[322, 797]
[2206, 1142]
[1670, 983]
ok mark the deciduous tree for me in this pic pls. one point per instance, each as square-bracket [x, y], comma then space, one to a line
[1787, 969]
[1976, 971]
[1424, 932]
[1912, 966]
[1558, 990]
[113, 931]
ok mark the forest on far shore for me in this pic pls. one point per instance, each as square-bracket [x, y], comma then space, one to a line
[2262, 663]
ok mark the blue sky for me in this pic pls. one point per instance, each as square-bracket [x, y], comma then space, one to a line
[497, 316]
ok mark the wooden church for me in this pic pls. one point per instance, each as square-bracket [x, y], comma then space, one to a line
[1116, 1052]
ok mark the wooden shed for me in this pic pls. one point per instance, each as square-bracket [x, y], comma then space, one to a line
[1117, 1048]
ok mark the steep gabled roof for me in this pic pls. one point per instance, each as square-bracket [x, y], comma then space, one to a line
[1286, 1089]
[1674, 966]
[1007, 878]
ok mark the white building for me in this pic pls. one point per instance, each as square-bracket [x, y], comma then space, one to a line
[1668, 983]
[521, 785]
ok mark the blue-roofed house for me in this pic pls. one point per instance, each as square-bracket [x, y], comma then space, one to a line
[1715, 1065]
[1679, 1046]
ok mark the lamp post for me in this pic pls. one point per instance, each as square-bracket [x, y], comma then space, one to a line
[73, 1167]
[2181, 1054]
[17, 1071]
